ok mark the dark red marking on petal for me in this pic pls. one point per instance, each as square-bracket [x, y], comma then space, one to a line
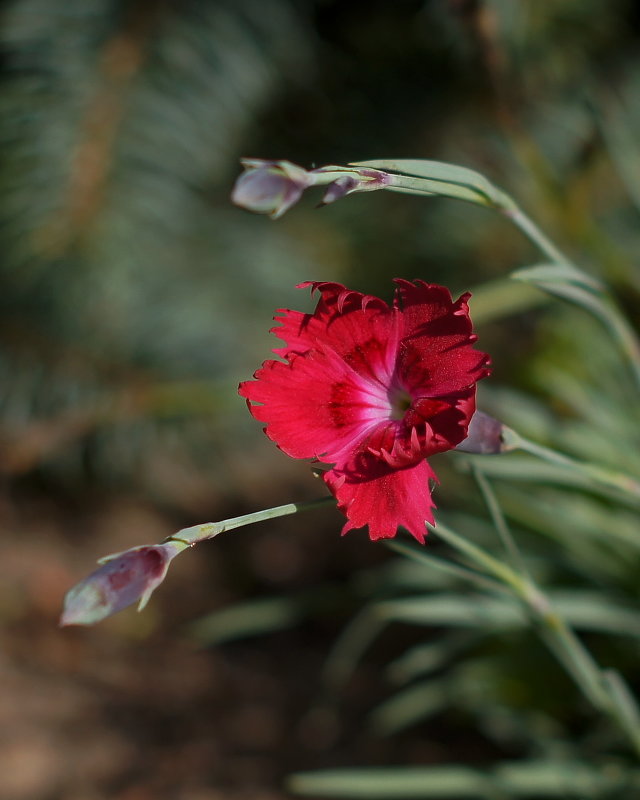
[373, 389]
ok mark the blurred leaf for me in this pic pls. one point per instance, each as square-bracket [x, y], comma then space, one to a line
[428, 657]
[437, 177]
[575, 287]
[523, 468]
[581, 609]
[416, 703]
[529, 779]
[620, 140]
[561, 274]
[448, 568]
[349, 647]
[253, 618]
[502, 298]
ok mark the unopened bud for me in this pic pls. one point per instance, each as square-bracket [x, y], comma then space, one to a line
[123, 579]
[353, 180]
[270, 187]
[485, 436]
[340, 188]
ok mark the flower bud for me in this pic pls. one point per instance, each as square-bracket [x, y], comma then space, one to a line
[353, 180]
[122, 579]
[484, 436]
[340, 188]
[270, 187]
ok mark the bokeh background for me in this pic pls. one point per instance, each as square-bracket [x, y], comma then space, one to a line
[134, 297]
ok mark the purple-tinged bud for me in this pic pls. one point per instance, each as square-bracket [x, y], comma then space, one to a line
[354, 180]
[269, 187]
[340, 188]
[485, 436]
[123, 579]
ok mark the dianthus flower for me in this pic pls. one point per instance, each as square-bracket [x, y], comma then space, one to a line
[373, 390]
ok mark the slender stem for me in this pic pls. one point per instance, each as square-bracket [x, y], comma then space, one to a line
[443, 565]
[207, 530]
[534, 234]
[611, 698]
[500, 523]
[608, 311]
[490, 564]
[607, 691]
[625, 703]
[607, 477]
[621, 329]
[567, 647]
[560, 638]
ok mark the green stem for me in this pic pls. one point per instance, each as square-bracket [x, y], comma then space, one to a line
[492, 565]
[611, 697]
[606, 691]
[448, 567]
[607, 310]
[207, 530]
[607, 477]
[534, 234]
[500, 523]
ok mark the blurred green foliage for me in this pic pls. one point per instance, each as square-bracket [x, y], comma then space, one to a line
[133, 298]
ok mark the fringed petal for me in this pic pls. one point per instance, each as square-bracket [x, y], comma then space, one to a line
[315, 406]
[436, 355]
[384, 498]
[361, 329]
[373, 389]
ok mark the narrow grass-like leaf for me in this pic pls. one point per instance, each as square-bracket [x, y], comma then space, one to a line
[513, 467]
[526, 779]
[445, 179]
[502, 298]
[568, 274]
[428, 657]
[253, 618]
[580, 519]
[476, 611]
[600, 475]
[621, 141]
[450, 568]
[597, 303]
[581, 609]
[406, 184]
[413, 704]
[350, 646]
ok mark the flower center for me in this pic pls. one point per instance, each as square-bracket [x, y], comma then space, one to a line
[400, 401]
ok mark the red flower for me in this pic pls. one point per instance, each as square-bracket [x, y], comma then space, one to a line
[373, 390]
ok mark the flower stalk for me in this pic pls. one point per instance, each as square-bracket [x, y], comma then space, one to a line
[608, 694]
[613, 479]
[434, 178]
[133, 575]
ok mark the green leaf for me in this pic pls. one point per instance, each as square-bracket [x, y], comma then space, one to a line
[254, 618]
[581, 609]
[514, 467]
[474, 611]
[576, 287]
[438, 177]
[543, 274]
[350, 646]
[503, 298]
[527, 779]
[413, 704]
[427, 657]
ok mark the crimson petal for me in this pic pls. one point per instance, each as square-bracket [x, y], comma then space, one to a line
[384, 498]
